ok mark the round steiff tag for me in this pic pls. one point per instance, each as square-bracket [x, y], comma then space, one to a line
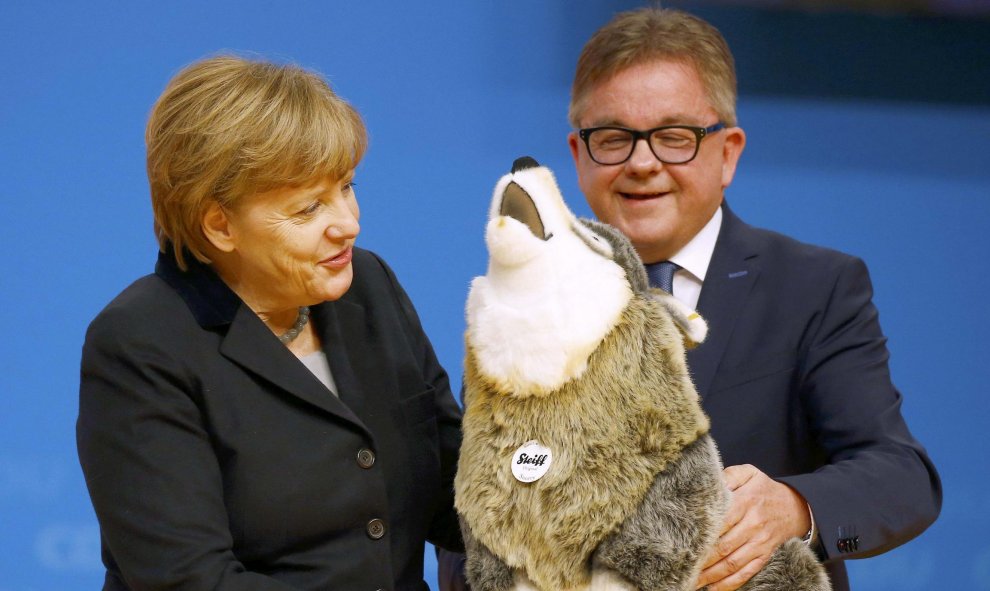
[531, 461]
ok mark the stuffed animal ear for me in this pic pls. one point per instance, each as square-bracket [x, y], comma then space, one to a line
[692, 325]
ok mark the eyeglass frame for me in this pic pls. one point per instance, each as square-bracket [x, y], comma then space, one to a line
[700, 133]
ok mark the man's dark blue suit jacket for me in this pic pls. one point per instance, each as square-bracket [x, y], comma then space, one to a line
[794, 376]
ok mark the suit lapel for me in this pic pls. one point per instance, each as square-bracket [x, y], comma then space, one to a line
[251, 345]
[342, 327]
[731, 274]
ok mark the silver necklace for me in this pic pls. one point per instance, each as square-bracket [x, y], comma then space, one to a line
[293, 332]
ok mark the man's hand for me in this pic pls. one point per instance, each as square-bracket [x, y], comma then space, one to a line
[762, 515]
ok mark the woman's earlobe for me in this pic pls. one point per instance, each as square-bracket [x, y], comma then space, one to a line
[216, 228]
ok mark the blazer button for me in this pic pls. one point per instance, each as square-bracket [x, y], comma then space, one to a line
[376, 529]
[365, 458]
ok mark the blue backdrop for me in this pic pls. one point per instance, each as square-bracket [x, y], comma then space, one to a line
[452, 92]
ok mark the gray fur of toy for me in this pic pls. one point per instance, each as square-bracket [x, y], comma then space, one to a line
[635, 492]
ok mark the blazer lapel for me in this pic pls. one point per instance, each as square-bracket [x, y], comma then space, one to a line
[346, 344]
[251, 345]
[731, 274]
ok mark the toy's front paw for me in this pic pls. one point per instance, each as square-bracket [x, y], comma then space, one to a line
[484, 570]
[793, 567]
[647, 567]
[661, 545]
[522, 583]
[608, 580]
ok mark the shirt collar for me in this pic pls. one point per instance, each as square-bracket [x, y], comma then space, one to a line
[697, 254]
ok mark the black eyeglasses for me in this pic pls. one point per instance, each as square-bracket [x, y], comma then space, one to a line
[671, 144]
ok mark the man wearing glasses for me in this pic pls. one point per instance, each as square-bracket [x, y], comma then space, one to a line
[794, 372]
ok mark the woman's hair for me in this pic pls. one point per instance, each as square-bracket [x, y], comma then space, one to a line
[648, 34]
[227, 127]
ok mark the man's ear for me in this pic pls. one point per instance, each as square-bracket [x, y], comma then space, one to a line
[732, 148]
[217, 229]
[575, 144]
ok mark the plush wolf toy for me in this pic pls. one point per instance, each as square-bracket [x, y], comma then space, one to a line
[586, 461]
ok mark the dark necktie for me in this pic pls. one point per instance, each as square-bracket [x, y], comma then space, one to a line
[662, 275]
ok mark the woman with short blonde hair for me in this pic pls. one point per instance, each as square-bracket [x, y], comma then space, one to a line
[263, 411]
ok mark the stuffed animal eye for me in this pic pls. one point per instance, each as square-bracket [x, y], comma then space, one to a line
[593, 240]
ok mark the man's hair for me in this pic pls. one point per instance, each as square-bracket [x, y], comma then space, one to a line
[649, 34]
[227, 127]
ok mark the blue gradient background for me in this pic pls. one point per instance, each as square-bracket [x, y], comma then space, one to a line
[452, 92]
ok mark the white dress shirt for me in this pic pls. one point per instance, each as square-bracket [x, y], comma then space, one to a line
[693, 261]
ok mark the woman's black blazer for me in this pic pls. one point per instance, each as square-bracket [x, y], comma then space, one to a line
[216, 460]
